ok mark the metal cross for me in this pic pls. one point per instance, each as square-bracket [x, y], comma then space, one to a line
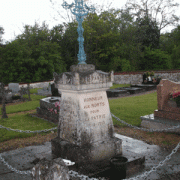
[79, 10]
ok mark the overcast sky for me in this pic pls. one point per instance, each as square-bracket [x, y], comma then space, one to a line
[17, 13]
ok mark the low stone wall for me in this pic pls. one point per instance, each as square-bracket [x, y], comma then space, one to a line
[128, 79]
[136, 78]
[35, 85]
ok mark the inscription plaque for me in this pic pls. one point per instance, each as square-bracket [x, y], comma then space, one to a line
[85, 112]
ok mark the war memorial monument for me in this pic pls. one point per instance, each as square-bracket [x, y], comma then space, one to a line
[85, 129]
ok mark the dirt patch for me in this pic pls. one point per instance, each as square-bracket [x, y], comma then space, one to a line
[24, 142]
[24, 112]
[165, 140]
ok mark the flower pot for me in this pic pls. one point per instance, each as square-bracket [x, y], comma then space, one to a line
[118, 167]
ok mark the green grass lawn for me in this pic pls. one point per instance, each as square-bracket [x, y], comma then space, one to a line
[23, 121]
[128, 109]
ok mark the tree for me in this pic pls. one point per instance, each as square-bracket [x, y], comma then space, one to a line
[176, 49]
[69, 44]
[166, 42]
[3, 81]
[1, 33]
[162, 12]
[147, 33]
[32, 57]
[155, 60]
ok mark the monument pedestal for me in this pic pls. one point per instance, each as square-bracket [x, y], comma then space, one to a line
[85, 154]
[85, 129]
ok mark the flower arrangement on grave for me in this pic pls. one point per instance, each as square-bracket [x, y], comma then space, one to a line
[152, 73]
[147, 73]
[156, 79]
[176, 97]
[56, 111]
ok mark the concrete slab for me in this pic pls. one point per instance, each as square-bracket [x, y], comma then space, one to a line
[152, 122]
[147, 87]
[23, 158]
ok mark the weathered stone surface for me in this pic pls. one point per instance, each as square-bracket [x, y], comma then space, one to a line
[137, 78]
[82, 68]
[163, 94]
[77, 80]
[85, 124]
[14, 87]
[147, 87]
[6, 93]
[50, 170]
[116, 92]
[49, 103]
[85, 117]
[45, 91]
[152, 122]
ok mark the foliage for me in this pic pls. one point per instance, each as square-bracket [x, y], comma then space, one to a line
[155, 60]
[32, 56]
[1, 33]
[162, 12]
[69, 44]
[112, 41]
[148, 33]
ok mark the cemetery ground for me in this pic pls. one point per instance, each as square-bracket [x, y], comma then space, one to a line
[128, 109]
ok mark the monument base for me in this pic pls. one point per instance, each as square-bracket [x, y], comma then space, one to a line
[83, 154]
[174, 114]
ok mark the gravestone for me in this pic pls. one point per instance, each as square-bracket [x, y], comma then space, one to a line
[85, 129]
[165, 110]
[48, 103]
[23, 91]
[45, 91]
[146, 87]
[168, 114]
[8, 94]
[55, 91]
[14, 87]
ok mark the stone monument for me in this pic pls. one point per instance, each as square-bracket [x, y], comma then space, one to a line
[85, 130]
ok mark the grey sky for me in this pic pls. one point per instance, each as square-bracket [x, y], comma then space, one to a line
[17, 13]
